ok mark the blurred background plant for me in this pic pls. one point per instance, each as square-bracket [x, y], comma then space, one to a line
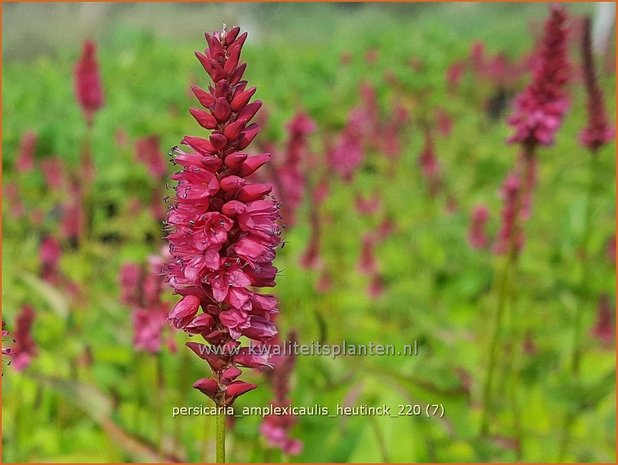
[387, 125]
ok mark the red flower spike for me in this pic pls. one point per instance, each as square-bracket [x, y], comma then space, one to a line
[88, 87]
[477, 237]
[221, 242]
[598, 130]
[539, 109]
[24, 349]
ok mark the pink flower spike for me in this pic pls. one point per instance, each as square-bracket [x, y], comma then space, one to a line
[130, 276]
[24, 349]
[53, 172]
[27, 147]
[150, 155]
[50, 253]
[430, 166]
[598, 131]
[510, 237]
[605, 327]
[88, 87]
[477, 237]
[276, 429]
[539, 109]
[223, 231]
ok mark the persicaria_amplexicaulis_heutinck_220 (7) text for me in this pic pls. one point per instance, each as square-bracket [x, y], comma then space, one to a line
[223, 228]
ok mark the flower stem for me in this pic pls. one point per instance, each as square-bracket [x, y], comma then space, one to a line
[160, 386]
[85, 187]
[493, 346]
[513, 364]
[138, 389]
[220, 436]
[18, 417]
[207, 431]
[525, 172]
[185, 366]
[576, 349]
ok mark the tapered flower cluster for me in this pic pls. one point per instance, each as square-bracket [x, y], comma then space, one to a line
[369, 205]
[276, 428]
[88, 88]
[142, 289]
[73, 215]
[454, 75]
[24, 349]
[27, 147]
[430, 166]
[348, 154]
[310, 259]
[223, 228]
[598, 130]
[290, 173]
[367, 262]
[444, 122]
[150, 155]
[539, 109]
[391, 131]
[130, 277]
[371, 112]
[50, 253]
[477, 236]
[53, 173]
[604, 329]
[14, 199]
[510, 237]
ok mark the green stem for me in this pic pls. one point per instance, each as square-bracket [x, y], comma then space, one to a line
[516, 341]
[206, 431]
[160, 382]
[18, 407]
[576, 350]
[85, 187]
[493, 347]
[183, 377]
[380, 439]
[138, 390]
[526, 164]
[565, 436]
[220, 436]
